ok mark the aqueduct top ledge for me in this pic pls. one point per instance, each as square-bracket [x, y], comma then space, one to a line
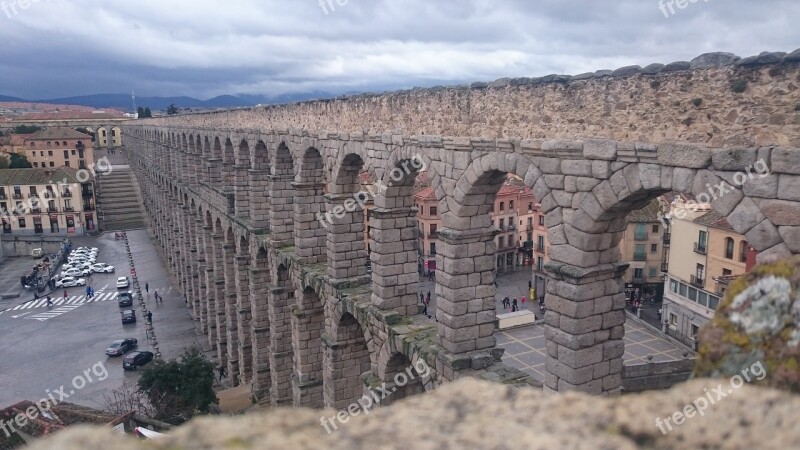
[717, 99]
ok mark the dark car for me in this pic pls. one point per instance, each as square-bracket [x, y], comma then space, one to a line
[125, 299]
[136, 359]
[120, 346]
[128, 316]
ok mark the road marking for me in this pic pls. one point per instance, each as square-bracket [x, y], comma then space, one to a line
[54, 313]
[20, 315]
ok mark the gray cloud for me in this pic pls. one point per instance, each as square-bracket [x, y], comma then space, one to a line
[202, 48]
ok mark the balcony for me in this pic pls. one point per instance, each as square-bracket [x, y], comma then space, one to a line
[36, 210]
[17, 196]
[641, 236]
[88, 208]
[3, 196]
[664, 267]
[640, 256]
[87, 194]
[69, 209]
[52, 209]
[433, 235]
[667, 238]
[67, 194]
[697, 282]
[700, 248]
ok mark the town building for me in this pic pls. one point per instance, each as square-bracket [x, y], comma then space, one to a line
[54, 147]
[46, 202]
[645, 245]
[702, 262]
[522, 237]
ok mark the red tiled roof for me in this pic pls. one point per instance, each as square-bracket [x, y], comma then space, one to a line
[428, 193]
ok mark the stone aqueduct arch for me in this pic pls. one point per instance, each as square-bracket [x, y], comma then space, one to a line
[286, 301]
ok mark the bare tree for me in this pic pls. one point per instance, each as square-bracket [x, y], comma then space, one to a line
[128, 398]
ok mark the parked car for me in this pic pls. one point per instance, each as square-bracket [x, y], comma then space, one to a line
[87, 249]
[125, 299]
[136, 359]
[128, 316]
[76, 272]
[68, 281]
[76, 265]
[123, 283]
[82, 258]
[102, 268]
[120, 346]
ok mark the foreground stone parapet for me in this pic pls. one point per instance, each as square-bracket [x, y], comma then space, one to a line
[473, 414]
[759, 321]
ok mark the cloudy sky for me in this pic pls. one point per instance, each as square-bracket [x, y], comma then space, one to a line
[56, 48]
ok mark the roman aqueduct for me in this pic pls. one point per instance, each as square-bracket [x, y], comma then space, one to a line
[285, 298]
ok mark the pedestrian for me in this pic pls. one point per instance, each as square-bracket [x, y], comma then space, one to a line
[147, 288]
[530, 285]
[149, 317]
[523, 301]
[425, 309]
[221, 371]
[514, 305]
[428, 298]
[35, 294]
[49, 301]
[421, 297]
[155, 295]
[541, 307]
[65, 294]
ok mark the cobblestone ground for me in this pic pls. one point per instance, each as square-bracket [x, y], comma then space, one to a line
[511, 284]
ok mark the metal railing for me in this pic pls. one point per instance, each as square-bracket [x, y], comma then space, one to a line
[696, 281]
[701, 249]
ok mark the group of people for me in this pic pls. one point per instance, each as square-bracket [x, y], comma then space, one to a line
[513, 305]
[426, 301]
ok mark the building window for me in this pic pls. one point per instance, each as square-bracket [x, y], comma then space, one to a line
[433, 230]
[539, 263]
[653, 248]
[702, 239]
[49, 153]
[541, 220]
[639, 254]
[48, 143]
[502, 223]
[6, 227]
[653, 272]
[743, 251]
[655, 228]
[433, 248]
[511, 205]
[673, 321]
[66, 163]
[638, 273]
[36, 164]
[713, 302]
[502, 241]
[73, 152]
[434, 211]
[673, 286]
[729, 244]
[695, 331]
[540, 243]
[502, 206]
[33, 191]
[22, 222]
[52, 164]
[530, 207]
[640, 232]
[66, 154]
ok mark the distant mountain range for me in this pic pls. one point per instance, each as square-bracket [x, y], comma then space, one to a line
[123, 101]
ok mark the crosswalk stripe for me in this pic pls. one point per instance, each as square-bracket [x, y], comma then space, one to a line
[72, 300]
[17, 307]
[59, 301]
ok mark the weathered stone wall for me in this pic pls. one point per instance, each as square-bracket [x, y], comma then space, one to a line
[473, 414]
[653, 105]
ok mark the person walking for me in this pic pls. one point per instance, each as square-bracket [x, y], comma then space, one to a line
[49, 301]
[530, 284]
[523, 301]
[149, 317]
[428, 298]
[65, 294]
[221, 371]
[155, 295]
[514, 305]
[147, 288]
[421, 297]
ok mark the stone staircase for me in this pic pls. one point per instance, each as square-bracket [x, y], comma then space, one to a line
[118, 203]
